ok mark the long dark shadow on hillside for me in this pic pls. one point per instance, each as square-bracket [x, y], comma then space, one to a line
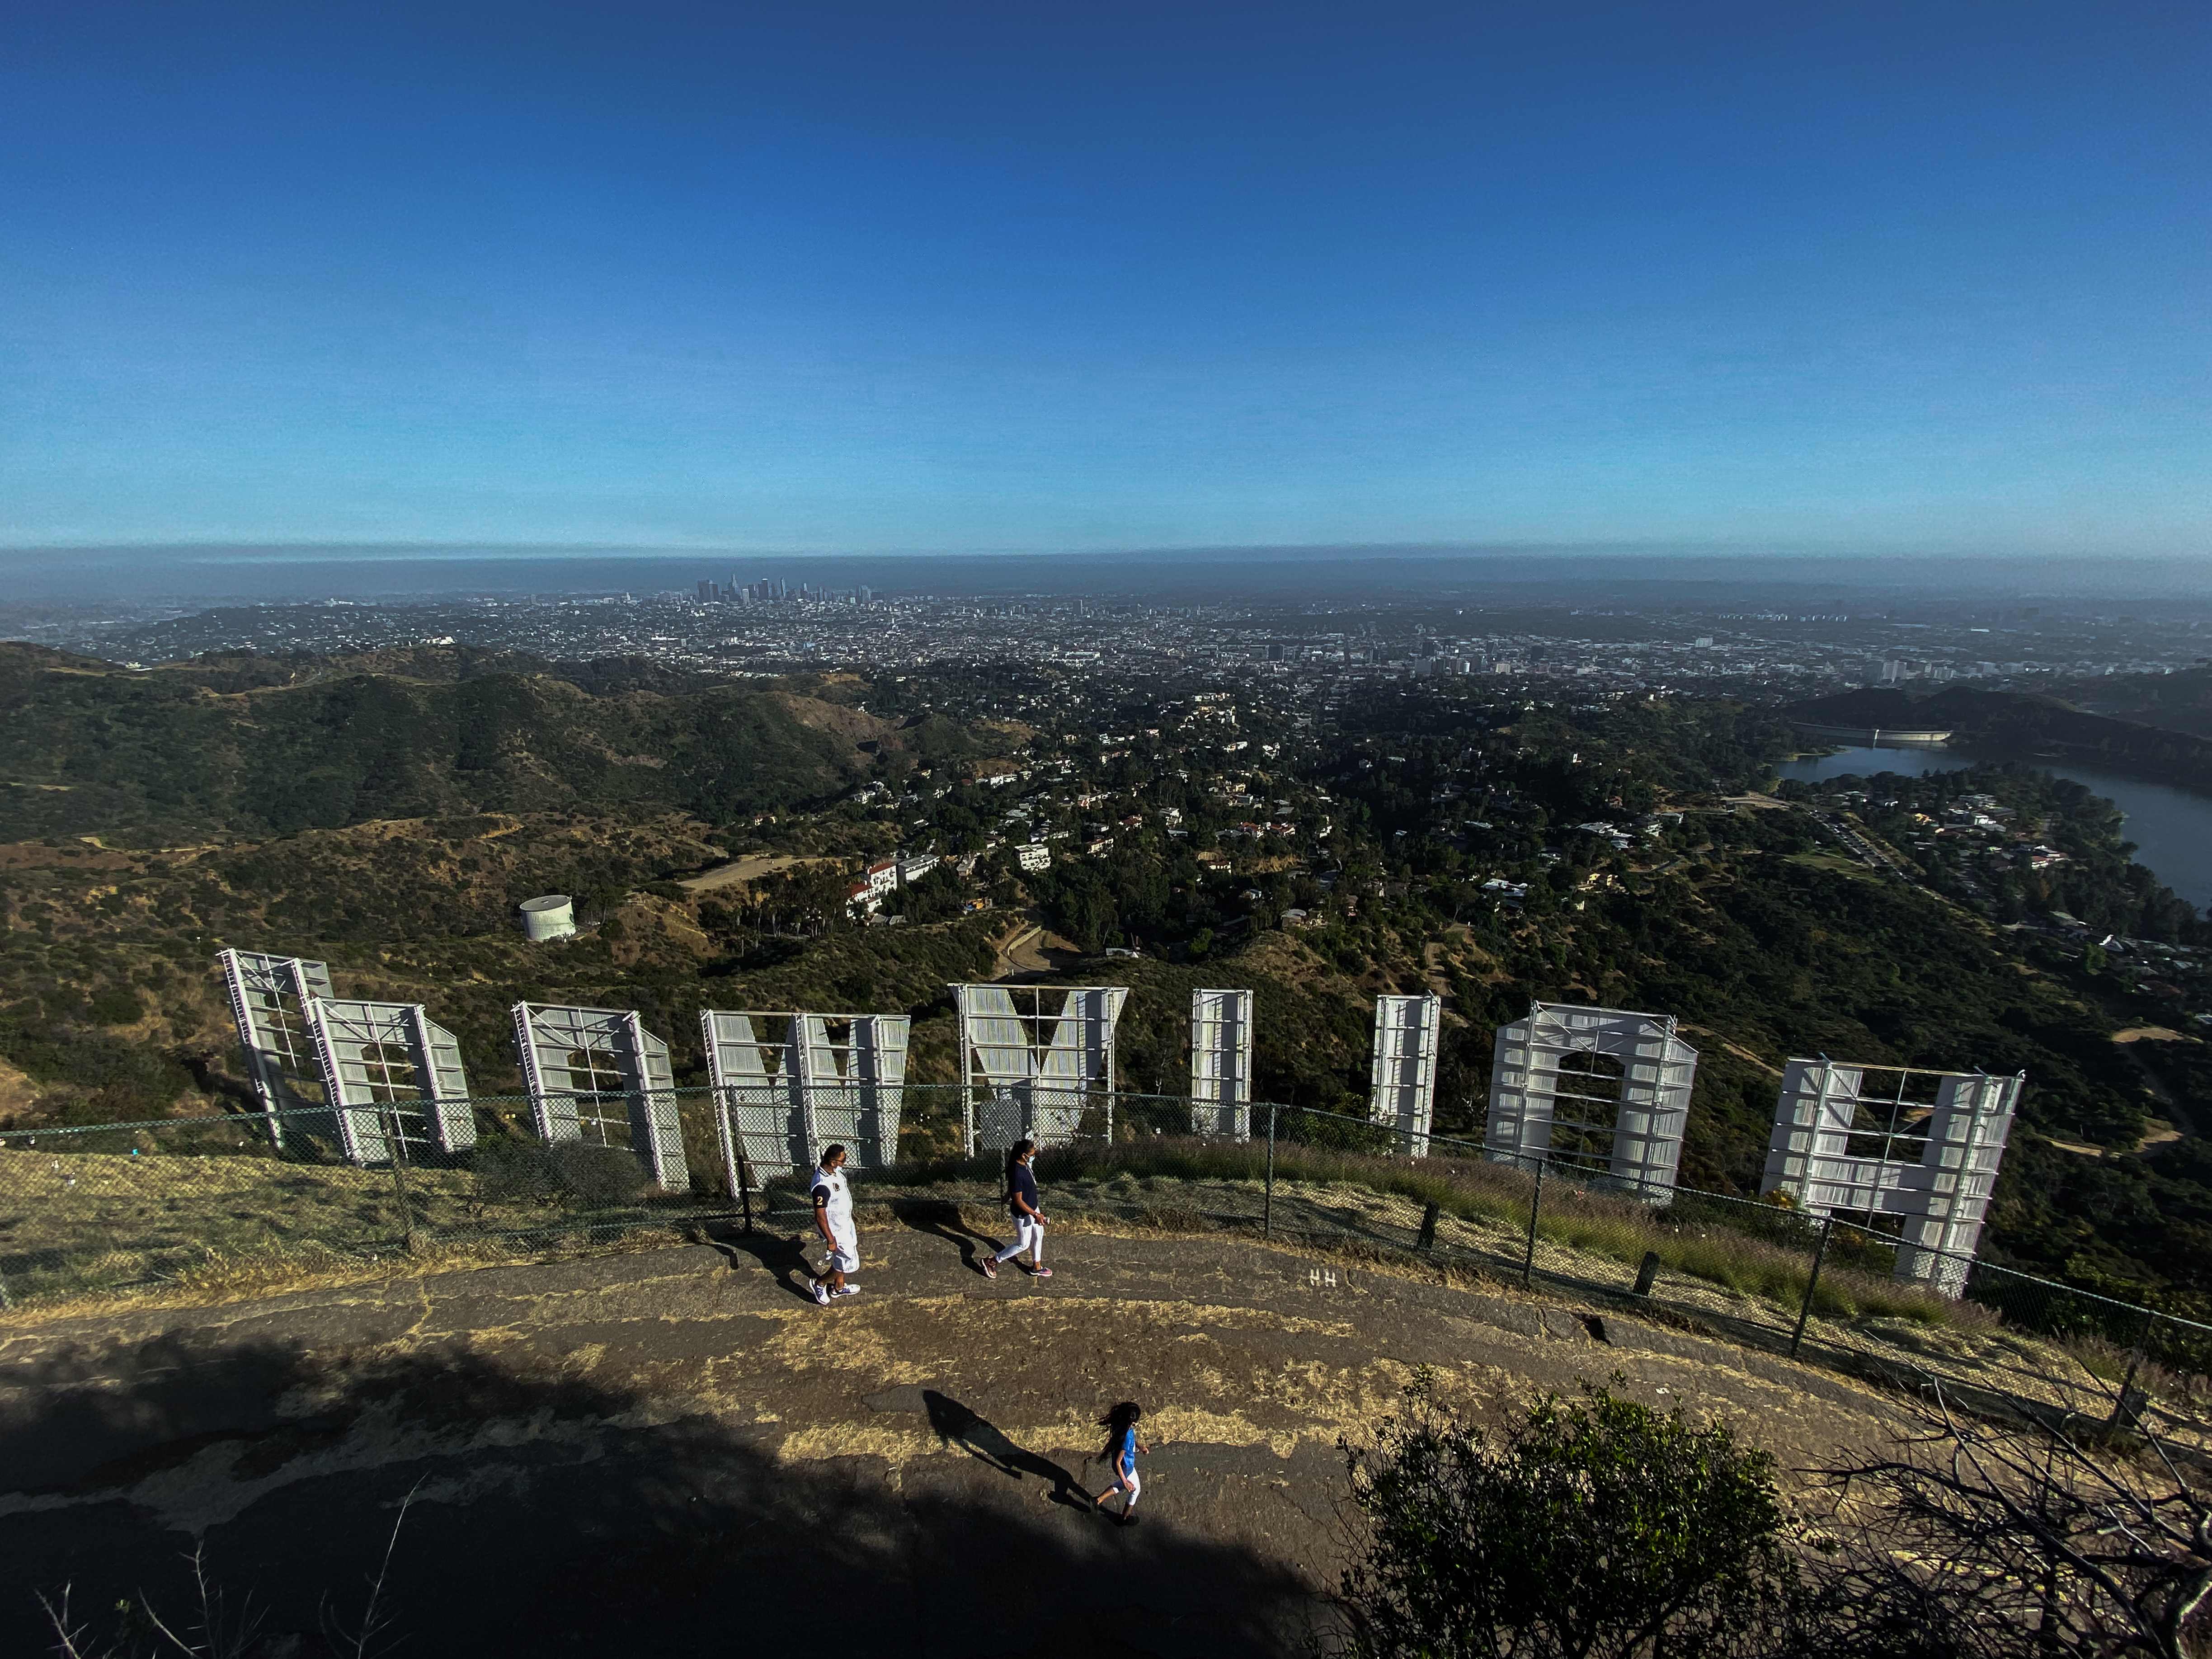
[556, 1516]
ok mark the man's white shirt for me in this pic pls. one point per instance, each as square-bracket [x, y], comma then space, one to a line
[838, 1209]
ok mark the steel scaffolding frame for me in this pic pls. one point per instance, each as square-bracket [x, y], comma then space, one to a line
[1548, 1098]
[1926, 1151]
[1040, 1068]
[791, 1082]
[1221, 1063]
[1402, 1073]
[575, 1059]
[270, 997]
[387, 1067]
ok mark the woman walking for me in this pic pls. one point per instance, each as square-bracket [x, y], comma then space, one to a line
[1120, 1457]
[1024, 1207]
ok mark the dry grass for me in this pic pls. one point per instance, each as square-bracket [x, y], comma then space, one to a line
[217, 1279]
[112, 1223]
[1751, 1249]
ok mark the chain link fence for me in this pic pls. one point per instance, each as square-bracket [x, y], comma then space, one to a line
[114, 1209]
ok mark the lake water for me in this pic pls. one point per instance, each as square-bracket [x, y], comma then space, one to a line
[2172, 828]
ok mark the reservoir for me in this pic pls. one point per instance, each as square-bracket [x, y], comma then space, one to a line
[2172, 828]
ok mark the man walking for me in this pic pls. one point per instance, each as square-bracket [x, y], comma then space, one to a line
[833, 1219]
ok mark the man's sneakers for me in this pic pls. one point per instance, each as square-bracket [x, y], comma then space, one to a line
[1125, 1519]
[989, 1265]
[821, 1293]
[848, 1290]
[1040, 1273]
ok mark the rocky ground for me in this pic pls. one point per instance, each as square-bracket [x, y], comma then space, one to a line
[652, 1452]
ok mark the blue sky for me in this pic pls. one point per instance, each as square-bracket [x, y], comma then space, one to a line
[1038, 277]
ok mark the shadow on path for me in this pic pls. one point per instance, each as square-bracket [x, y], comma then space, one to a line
[941, 1218]
[782, 1255]
[549, 1514]
[957, 1426]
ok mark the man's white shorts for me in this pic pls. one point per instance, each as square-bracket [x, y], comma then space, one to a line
[845, 1256]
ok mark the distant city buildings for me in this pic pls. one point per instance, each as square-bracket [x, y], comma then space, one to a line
[1208, 657]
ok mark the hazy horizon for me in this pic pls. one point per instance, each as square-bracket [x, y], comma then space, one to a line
[212, 573]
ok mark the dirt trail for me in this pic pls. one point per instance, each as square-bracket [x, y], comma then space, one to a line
[1432, 969]
[1735, 1048]
[1033, 950]
[749, 868]
[617, 1453]
[2134, 1041]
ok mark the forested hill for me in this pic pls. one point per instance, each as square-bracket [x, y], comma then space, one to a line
[236, 744]
[2179, 702]
[2014, 718]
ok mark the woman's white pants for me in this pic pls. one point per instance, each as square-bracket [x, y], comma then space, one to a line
[1029, 1235]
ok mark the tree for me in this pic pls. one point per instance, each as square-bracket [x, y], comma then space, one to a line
[2015, 1541]
[1594, 1527]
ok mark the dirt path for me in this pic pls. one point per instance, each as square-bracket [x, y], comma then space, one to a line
[1019, 954]
[1032, 951]
[749, 868]
[1735, 1048]
[621, 1455]
[1432, 969]
[2134, 1043]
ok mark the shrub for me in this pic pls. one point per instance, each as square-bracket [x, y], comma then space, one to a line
[116, 1005]
[1593, 1526]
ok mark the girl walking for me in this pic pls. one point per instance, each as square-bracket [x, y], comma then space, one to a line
[1024, 1206]
[1120, 1457]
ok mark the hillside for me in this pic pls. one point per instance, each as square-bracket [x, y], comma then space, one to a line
[110, 1008]
[1738, 918]
[2016, 720]
[254, 747]
[2177, 703]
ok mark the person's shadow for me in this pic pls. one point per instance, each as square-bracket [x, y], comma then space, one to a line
[957, 1426]
[783, 1256]
[940, 1220]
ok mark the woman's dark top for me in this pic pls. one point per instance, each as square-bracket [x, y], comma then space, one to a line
[1021, 1184]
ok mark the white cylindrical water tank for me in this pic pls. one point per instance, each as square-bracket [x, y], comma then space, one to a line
[549, 915]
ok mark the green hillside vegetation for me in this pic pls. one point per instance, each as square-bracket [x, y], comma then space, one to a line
[2032, 724]
[2179, 702]
[110, 1008]
[255, 747]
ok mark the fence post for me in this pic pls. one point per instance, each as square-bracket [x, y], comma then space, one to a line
[1267, 1204]
[398, 1148]
[1647, 1273]
[1812, 1282]
[1427, 1242]
[1535, 1208]
[2127, 1408]
[745, 1189]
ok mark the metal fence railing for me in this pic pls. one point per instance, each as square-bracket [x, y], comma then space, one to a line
[113, 1208]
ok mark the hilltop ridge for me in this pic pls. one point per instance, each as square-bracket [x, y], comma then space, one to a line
[2021, 719]
[239, 744]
